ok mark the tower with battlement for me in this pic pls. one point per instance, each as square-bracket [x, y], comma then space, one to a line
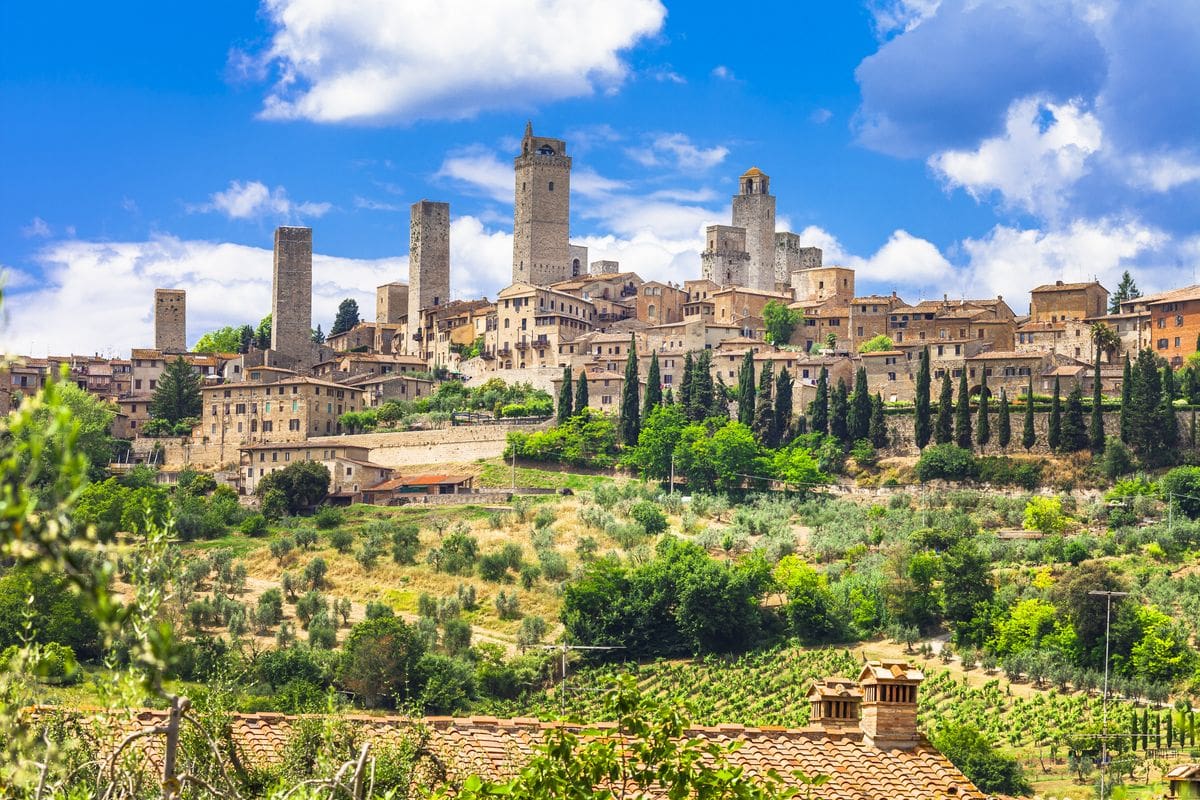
[754, 210]
[428, 263]
[725, 260]
[291, 294]
[170, 320]
[541, 211]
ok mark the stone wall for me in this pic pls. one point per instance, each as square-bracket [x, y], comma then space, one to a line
[902, 440]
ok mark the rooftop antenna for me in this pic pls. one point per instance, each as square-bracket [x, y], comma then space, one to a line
[563, 649]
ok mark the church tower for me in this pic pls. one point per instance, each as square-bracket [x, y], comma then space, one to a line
[754, 210]
[541, 211]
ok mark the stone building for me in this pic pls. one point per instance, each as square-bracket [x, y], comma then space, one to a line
[1173, 326]
[391, 300]
[989, 320]
[1057, 301]
[288, 410]
[754, 212]
[361, 337]
[378, 389]
[869, 316]
[578, 254]
[823, 318]
[170, 320]
[1068, 336]
[817, 284]
[350, 469]
[659, 303]
[604, 267]
[291, 295]
[541, 211]
[890, 373]
[532, 323]
[743, 307]
[428, 264]
[725, 260]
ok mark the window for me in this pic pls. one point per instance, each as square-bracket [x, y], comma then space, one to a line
[1178, 320]
[239, 408]
[1176, 343]
[606, 399]
[153, 384]
[137, 384]
[1162, 344]
[551, 186]
[891, 376]
[1162, 322]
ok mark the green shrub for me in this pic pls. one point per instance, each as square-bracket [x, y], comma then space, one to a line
[328, 517]
[406, 542]
[946, 461]
[1003, 471]
[254, 525]
[341, 540]
[494, 567]
[649, 516]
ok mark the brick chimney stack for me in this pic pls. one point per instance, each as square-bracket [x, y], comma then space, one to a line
[889, 704]
[835, 704]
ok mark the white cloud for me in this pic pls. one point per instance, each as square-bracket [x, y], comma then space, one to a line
[253, 200]
[676, 150]
[381, 60]
[820, 116]
[37, 228]
[480, 169]
[1043, 152]
[904, 261]
[1162, 172]
[377, 205]
[722, 72]
[896, 16]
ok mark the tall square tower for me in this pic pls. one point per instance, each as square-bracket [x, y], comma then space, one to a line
[754, 210]
[170, 320]
[291, 294]
[391, 302]
[541, 211]
[428, 262]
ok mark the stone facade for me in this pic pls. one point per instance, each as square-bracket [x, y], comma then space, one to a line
[754, 211]
[291, 294]
[391, 302]
[428, 262]
[541, 211]
[816, 284]
[1058, 301]
[725, 260]
[532, 324]
[604, 267]
[170, 320]
[578, 255]
[660, 303]
[350, 471]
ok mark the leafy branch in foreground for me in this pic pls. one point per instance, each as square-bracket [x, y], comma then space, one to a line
[649, 752]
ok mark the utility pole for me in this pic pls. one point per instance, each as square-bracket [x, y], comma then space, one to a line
[1108, 595]
[563, 648]
[514, 469]
[671, 488]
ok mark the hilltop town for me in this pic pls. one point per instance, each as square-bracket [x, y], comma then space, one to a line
[562, 312]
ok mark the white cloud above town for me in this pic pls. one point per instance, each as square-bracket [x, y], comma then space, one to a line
[254, 200]
[678, 152]
[361, 62]
[1042, 154]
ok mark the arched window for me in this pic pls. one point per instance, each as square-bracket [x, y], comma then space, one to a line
[650, 310]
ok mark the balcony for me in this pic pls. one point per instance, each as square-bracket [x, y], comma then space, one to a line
[522, 345]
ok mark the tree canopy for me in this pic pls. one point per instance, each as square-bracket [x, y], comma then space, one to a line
[780, 321]
[347, 316]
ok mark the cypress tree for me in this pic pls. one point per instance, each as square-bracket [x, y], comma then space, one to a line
[944, 430]
[922, 426]
[783, 405]
[669, 397]
[685, 388]
[1133, 731]
[1096, 428]
[819, 421]
[581, 392]
[246, 336]
[983, 429]
[177, 394]
[837, 412]
[962, 417]
[720, 403]
[1003, 423]
[1168, 384]
[701, 401]
[764, 411]
[1054, 428]
[1074, 433]
[1193, 435]
[653, 385]
[631, 423]
[858, 418]
[1028, 438]
[1126, 394]
[1145, 728]
[564, 397]
[745, 390]
[879, 437]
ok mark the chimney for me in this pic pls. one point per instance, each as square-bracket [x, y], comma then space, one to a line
[889, 704]
[834, 704]
[1058, 283]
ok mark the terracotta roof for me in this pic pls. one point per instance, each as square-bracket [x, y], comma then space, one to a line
[496, 749]
[1185, 772]
[1059, 286]
[882, 353]
[753, 172]
[1065, 371]
[1182, 293]
[416, 480]
[996, 355]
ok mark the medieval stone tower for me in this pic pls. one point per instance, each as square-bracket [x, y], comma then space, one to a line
[541, 211]
[291, 294]
[725, 260]
[428, 262]
[754, 210]
[170, 320]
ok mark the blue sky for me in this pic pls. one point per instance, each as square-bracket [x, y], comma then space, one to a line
[961, 147]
